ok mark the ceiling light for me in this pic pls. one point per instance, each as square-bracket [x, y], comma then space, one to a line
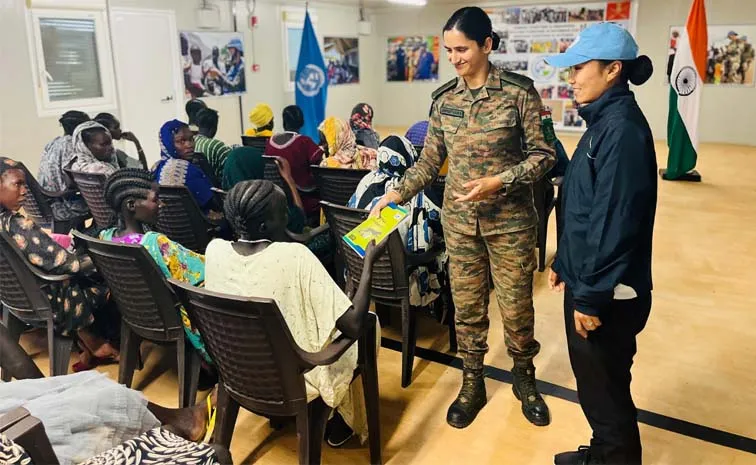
[410, 2]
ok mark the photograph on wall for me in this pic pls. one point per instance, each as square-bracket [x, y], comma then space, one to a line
[213, 63]
[530, 33]
[412, 58]
[730, 58]
[342, 57]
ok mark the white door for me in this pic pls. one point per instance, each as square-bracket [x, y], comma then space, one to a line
[146, 55]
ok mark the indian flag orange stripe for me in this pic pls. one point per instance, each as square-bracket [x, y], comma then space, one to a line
[698, 36]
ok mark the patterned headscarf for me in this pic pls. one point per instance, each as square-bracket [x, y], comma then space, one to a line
[362, 117]
[340, 139]
[166, 135]
[395, 155]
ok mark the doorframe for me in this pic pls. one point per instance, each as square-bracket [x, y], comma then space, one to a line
[178, 84]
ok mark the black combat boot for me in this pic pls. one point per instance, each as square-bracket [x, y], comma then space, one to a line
[471, 398]
[582, 456]
[524, 386]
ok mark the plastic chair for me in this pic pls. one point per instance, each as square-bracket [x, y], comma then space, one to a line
[23, 294]
[148, 307]
[254, 141]
[92, 188]
[38, 206]
[262, 368]
[22, 428]
[182, 220]
[390, 279]
[337, 185]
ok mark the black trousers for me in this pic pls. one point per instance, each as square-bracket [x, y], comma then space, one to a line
[601, 365]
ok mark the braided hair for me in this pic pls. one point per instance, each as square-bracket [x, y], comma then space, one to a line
[127, 183]
[247, 204]
[71, 119]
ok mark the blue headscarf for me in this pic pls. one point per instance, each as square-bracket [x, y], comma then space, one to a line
[167, 133]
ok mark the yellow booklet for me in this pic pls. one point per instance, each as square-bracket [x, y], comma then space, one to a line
[375, 228]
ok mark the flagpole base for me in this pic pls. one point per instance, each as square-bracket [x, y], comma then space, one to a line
[690, 176]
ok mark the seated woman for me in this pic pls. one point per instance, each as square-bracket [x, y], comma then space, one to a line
[179, 165]
[341, 147]
[86, 414]
[300, 151]
[56, 156]
[261, 118]
[93, 149]
[133, 195]
[361, 123]
[76, 303]
[123, 159]
[262, 263]
[423, 230]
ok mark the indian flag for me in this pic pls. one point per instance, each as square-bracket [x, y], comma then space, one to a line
[686, 85]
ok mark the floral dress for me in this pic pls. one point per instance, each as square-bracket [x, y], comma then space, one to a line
[73, 301]
[175, 261]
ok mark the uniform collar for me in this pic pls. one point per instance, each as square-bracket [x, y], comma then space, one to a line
[592, 112]
[493, 82]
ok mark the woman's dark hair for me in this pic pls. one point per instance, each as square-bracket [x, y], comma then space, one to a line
[207, 118]
[475, 24]
[637, 71]
[293, 118]
[106, 119]
[193, 107]
[88, 134]
[71, 119]
[127, 183]
[246, 205]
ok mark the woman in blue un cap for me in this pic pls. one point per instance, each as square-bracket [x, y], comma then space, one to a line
[603, 262]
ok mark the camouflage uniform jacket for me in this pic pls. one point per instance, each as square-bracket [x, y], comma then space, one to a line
[497, 133]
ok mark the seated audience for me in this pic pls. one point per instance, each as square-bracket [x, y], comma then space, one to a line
[423, 230]
[114, 126]
[87, 414]
[300, 151]
[76, 303]
[262, 263]
[416, 134]
[133, 195]
[205, 143]
[341, 147]
[179, 165]
[361, 122]
[261, 118]
[193, 107]
[57, 155]
[93, 150]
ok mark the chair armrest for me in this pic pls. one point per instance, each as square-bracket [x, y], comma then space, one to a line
[423, 258]
[307, 190]
[13, 417]
[306, 237]
[329, 354]
[58, 194]
[52, 278]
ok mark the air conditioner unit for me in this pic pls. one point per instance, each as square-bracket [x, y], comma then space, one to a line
[364, 28]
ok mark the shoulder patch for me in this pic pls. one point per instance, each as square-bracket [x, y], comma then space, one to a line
[517, 79]
[445, 88]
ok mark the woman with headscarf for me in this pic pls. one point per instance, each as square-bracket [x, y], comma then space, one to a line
[261, 118]
[179, 165]
[93, 149]
[300, 151]
[361, 123]
[423, 231]
[74, 302]
[341, 147]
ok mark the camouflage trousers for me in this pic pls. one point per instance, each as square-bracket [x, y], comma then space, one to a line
[511, 260]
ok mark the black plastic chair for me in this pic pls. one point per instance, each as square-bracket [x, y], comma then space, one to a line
[337, 185]
[262, 368]
[23, 429]
[92, 188]
[23, 293]
[182, 220]
[390, 284]
[254, 141]
[439, 187]
[148, 307]
[38, 206]
[545, 201]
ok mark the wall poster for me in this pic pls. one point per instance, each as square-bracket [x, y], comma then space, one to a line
[342, 57]
[412, 58]
[212, 63]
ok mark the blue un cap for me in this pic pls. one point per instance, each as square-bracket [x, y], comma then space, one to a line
[603, 41]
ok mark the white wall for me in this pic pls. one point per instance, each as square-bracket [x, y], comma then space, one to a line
[726, 113]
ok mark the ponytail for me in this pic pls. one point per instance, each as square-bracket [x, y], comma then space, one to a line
[496, 41]
[636, 71]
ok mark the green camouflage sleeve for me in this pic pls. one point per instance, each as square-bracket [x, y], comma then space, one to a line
[425, 171]
[541, 156]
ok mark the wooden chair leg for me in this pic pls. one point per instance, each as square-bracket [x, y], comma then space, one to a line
[130, 342]
[372, 398]
[59, 350]
[303, 435]
[409, 339]
[318, 416]
[227, 409]
[15, 327]
[188, 371]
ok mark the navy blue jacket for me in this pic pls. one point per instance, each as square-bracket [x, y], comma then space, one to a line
[608, 204]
